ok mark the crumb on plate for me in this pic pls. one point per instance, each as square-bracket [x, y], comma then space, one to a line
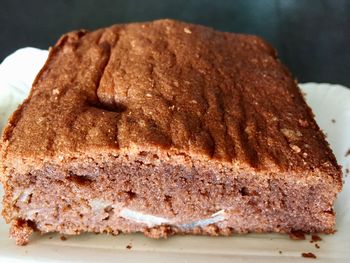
[308, 255]
[315, 238]
[297, 235]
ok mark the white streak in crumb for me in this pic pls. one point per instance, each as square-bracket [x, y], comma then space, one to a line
[24, 196]
[216, 217]
[152, 221]
[220, 212]
[31, 213]
[98, 204]
[149, 220]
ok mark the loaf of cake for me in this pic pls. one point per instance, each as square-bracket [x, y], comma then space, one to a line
[163, 128]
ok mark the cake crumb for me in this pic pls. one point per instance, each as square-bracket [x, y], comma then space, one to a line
[63, 238]
[333, 120]
[55, 92]
[317, 246]
[187, 30]
[21, 231]
[315, 238]
[308, 255]
[347, 153]
[295, 148]
[129, 246]
[303, 123]
[297, 235]
[291, 134]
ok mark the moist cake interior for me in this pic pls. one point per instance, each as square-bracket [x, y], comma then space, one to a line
[160, 197]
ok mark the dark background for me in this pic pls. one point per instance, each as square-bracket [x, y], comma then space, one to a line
[311, 36]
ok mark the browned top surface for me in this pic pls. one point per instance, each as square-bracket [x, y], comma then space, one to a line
[175, 86]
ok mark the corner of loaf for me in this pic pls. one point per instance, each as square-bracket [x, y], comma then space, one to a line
[166, 127]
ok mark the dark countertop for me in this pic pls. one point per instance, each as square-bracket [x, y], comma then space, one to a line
[312, 37]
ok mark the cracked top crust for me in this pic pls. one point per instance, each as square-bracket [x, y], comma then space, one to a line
[173, 86]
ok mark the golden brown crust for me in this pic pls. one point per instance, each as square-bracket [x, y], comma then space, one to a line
[173, 85]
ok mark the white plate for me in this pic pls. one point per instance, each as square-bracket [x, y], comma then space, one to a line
[327, 101]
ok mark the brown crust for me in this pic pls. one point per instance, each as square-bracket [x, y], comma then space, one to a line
[180, 91]
[219, 109]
